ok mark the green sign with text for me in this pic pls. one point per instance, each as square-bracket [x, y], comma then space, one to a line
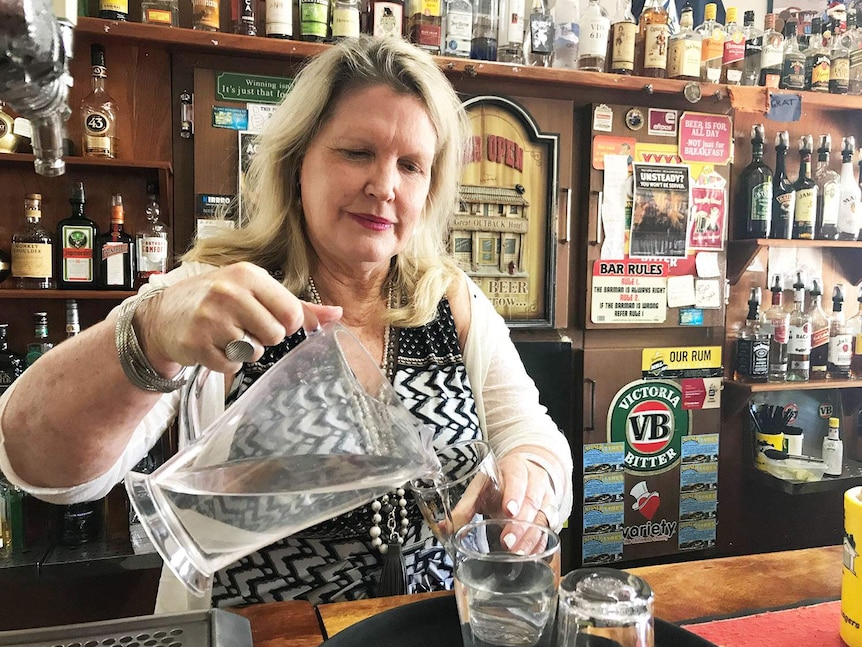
[251, 88]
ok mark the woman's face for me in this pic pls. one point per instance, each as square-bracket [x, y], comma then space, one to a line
[366, 176]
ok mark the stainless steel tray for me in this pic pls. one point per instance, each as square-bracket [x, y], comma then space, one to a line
[213, 628]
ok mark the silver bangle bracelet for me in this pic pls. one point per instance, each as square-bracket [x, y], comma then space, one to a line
[135, 364]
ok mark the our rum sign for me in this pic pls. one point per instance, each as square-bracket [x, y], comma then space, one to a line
[502, 235]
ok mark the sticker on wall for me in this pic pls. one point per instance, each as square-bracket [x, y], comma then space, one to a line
[661, 122]
[604, 518]
[647, 415]
[233, 118]
[700, 448]
[611, 145]
[603, 549]
[603, 458]
[629, 292]
[603, 118]
[635, 119]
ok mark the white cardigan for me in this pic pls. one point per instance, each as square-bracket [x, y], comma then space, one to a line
[507, 403]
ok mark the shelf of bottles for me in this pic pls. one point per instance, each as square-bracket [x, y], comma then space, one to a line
[102, 164]
[603, 76]
[106, 295]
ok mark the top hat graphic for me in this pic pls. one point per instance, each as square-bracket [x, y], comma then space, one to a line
[642, 495]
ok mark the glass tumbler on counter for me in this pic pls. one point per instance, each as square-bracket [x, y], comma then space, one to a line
[604, 606]
[506, 596]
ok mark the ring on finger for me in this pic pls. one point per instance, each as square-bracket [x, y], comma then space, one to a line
[240, 350]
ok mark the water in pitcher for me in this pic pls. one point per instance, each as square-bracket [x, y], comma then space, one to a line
[238, 506]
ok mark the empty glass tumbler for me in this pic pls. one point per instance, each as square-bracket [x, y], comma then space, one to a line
[604, 607]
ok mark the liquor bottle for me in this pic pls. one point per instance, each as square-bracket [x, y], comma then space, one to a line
[753, 50]
[40, 344]
[839, 62]
[733, 58]
[243, 17]
[76, 244]
[5, 265]
[840, 352]
[833, 449]
[799, 338]
[566, 34]
[651, 40]
[33, 249]
[8, 139]
[160, 12]
[114, 9]
[11, 364]
[279, 18]
[116, 252]
[772, 54]
[817, 60]
[151, 243]
[425, 24]
[99, 112]
[458, 28]
[80, 521]
[712, 46]
[205, 15]
[510, 38]
[752, 344]
[346, 21]
[850, 210]
[778, 322]
[819, 332]
[387, 18]
[793, 67]
[854, 327]
[595, 29]
[805, 212]
[854, 32]
[314, 20]
[828, 192]
[683, 58]
[783, 191]
[483, 38]
[624, 30]
[541, 45]
[755, 193]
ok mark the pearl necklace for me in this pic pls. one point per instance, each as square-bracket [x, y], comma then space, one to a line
[396, 523]
[387, 363]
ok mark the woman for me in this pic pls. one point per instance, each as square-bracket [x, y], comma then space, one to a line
[349, 198]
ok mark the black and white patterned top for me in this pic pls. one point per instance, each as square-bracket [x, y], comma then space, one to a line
[334, 560]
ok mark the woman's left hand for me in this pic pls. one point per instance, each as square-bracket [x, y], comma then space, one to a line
[528, 494]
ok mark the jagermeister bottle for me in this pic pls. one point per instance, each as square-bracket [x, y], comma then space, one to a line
[754, 213]
[76, 244]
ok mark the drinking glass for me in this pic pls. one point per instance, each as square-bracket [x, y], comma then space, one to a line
[468, 488]
[604, 606]
[320, 433]
[506, 598]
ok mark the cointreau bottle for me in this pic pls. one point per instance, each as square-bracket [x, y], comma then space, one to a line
[116, 251]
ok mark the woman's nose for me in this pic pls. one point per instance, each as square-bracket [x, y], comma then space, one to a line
[382, 183]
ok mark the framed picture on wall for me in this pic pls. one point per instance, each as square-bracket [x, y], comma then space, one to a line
[503, 233]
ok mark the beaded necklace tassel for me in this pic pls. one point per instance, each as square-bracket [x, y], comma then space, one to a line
[393, 575]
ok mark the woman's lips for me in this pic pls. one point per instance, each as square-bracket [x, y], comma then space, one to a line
[372, 222]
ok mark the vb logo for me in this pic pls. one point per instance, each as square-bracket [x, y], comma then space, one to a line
[648, 417]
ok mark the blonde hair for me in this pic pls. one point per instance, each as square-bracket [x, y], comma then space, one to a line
[274, 236]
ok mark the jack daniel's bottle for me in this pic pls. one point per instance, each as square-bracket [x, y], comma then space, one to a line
[752, 344]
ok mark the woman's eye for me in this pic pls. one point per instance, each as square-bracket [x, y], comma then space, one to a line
[355, 154]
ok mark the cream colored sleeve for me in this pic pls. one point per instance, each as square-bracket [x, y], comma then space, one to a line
[146, 434]
[506, 397]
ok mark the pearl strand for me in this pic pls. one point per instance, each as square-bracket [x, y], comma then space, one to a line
[397, 527]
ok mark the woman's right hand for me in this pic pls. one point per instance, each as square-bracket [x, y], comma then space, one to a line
[192, 321]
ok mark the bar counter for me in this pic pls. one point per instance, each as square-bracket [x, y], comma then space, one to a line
[683, 591]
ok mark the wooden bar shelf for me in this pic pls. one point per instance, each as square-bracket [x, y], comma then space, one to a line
[851, 475]
[105, 295]
[102, 164]
[811, 385]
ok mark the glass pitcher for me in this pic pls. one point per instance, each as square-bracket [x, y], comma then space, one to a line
[320, 433]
